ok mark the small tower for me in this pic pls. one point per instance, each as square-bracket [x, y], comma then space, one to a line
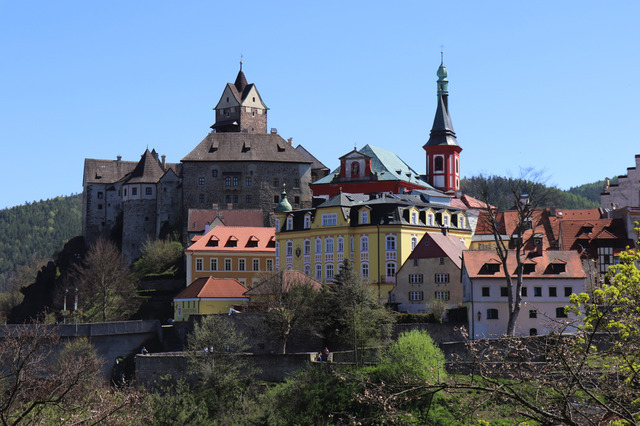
[240, 108]
[443, 151]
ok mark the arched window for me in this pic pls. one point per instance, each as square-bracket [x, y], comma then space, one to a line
[289, 223]
[414, 242]
[364, 271]
[355, 169]
[414, 218]
[277, 249]
[277, 224]
[289, 248]
[328, 245]
[391, 242]
[364, 244]
[329, 271]
[307, 270]
[340, 245]
[307, 247]
[391, 269]
[318, 272]
[438, 164]
[318, 246]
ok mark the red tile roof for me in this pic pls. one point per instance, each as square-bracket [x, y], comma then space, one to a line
[475, 260]
[246, 237]
[213, 288]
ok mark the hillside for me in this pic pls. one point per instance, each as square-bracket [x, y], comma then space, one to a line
[581, 197]
[37, 230]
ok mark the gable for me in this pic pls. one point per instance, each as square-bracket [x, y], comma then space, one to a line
[249, 101]
[228, 98]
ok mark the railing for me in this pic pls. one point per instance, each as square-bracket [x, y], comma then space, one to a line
[340, 257]
[364, 257]
[307, 258]
[328, 257]
[391, 255]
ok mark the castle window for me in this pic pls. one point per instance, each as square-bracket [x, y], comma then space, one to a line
[235, 181]
[134, 191]
[276, 182]
[296, 183]
[533, 313]
[214, 173]
[307, 270]
[235, 199]
[99, 206]
[391, 270]
[227, 199]
[430, 219]
[492, 314]
[318, 246]
[249, 200]
[276, 198]
[568, 291]
[148, 191]
[201, 198]
[296, 200]
[248, 181]
[561, 313]
[201, 181]
[146, 218]
[227, 181]
[364, 270]
[100, 195]
[414, 218]
[254, 99]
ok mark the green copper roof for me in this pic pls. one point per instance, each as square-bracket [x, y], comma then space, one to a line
[443, 83]
[387, 165]
[283, 206]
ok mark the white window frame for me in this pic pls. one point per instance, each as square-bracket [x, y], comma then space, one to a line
[364, 217]
[213, 264]
[289, 248]
[329, 219]
[307, 222]
[199, 264]
[391, 242]
[329, 271]
[364, 244]
[328, 245]
[340, 245]
[242, 265]
[307, 247]
[416, 296]
[228, 264]
[441, 278]
[269, 265]
[289, 223]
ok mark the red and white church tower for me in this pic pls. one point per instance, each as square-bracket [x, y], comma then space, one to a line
[443, 151]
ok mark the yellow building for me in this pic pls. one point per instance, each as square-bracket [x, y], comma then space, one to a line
[208, 295]
[239, 252]
[376, 232]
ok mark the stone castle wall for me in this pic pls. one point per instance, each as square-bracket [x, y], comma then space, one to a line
[138, 225]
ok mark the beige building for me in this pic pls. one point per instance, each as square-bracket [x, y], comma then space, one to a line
[431, 272]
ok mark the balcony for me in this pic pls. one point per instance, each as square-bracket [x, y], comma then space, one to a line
[364, 257]
[391, 255]
[340, 257]
[328, 257]
[307, 258]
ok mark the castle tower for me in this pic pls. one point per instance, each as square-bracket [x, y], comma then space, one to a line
[443, 151]
[240, 108]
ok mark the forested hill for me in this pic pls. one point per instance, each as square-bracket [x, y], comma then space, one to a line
[37, 230]
[585, 196]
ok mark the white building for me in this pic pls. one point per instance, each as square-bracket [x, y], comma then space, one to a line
[549, 281]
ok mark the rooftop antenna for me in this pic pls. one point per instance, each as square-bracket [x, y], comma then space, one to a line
[241, 56]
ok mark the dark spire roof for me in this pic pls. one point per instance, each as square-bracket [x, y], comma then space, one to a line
[442, 131]
[148, 169]
[241, 81]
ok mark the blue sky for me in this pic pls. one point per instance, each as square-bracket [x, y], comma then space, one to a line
[547, 84]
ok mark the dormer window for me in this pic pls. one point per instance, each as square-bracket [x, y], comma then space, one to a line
[529, 268]
[445, 220]
[430, 219]
[213, 241]
[253, 241]
[232, 242]
[307, 222]
[289, 223]
[557, 266]
[355, 169]
[461, 221]
[364, 217]
[414, 218]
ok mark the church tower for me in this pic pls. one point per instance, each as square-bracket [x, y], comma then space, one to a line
[443, 151]
[240, 109]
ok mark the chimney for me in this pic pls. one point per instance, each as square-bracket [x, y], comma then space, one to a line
[274, 131]
[164, 157]
[119, 157]
[445, 231]
[206, 228]
[290, 140]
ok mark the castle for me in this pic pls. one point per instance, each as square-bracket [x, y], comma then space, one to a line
[238, 165]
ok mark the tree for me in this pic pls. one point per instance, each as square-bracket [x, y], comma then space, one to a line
[35, 375]
[214, 350]
[290, 302]
[357, 314]
[526, 195]
[106, 290]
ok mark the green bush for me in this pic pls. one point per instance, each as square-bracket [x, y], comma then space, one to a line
[413, 356]
[415, 318]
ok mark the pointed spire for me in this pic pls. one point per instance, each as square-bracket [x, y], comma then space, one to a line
[241, 81]
[442, 132]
